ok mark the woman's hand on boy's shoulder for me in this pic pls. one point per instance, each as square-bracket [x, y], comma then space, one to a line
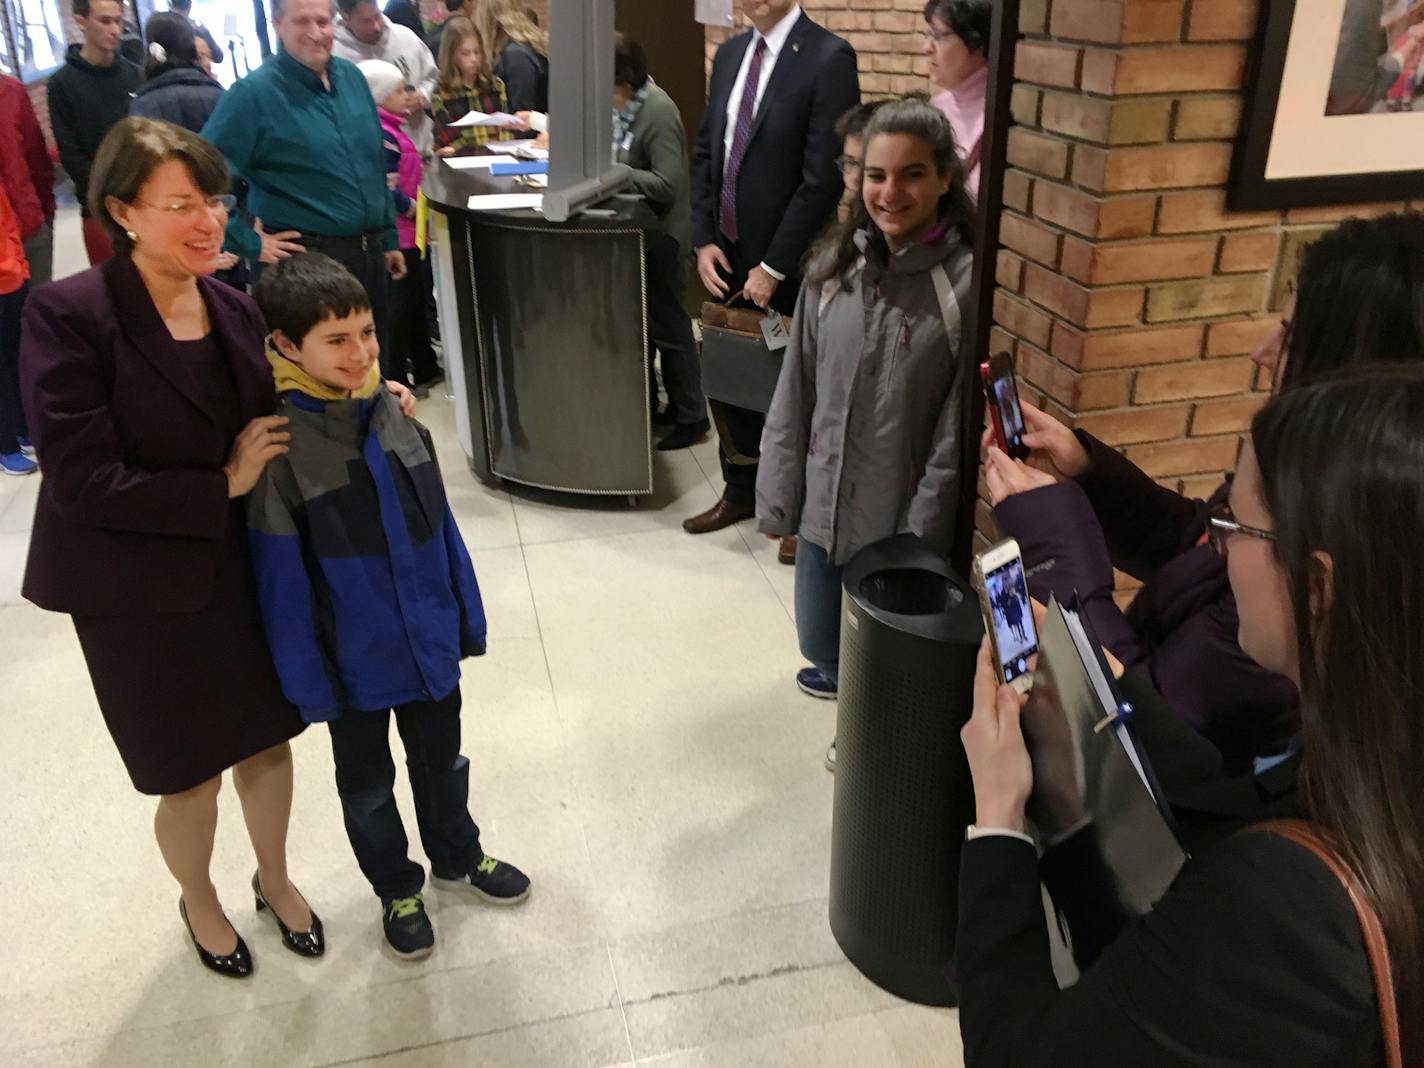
[404, 397]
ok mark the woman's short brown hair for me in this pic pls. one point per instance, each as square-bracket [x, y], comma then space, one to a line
[132, 151]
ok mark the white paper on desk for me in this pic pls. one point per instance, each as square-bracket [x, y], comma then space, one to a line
[506, 201]
[479, 118]
[536, 181]
[472, 163]
[518, 148]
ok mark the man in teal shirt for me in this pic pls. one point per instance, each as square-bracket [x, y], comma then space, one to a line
[302, 130]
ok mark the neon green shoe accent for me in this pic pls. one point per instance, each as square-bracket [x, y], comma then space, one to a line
[403, 907]
[487, 866]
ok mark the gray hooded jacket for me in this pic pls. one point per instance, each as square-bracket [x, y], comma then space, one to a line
[862, 440]
[407, 51]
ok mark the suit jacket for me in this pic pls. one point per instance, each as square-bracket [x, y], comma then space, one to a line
[788, 187]
[1253, 956]
[133, 510]
[658, 155]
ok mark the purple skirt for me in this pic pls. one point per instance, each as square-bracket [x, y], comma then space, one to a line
[188, 695]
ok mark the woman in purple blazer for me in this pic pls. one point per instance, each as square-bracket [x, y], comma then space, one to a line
[1079, 508]
[151, 406]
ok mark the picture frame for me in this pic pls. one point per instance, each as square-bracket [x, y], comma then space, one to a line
[1322, 122]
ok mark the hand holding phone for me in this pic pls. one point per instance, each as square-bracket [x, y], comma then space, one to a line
[998, 575]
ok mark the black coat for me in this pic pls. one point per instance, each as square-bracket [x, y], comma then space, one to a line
[182, 95]
[84, 103]
[1253, 956]
[789, 185]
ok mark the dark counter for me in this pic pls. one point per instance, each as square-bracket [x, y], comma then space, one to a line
[549, 331]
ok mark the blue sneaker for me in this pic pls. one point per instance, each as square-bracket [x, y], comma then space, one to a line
[816, 683]
[17, 463]
[27, 446]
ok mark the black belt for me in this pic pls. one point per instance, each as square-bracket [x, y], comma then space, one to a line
[374, 241]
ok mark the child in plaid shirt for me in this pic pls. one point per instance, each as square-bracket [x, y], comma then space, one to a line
[466, 84]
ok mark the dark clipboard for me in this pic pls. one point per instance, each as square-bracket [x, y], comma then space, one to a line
[1122, 724]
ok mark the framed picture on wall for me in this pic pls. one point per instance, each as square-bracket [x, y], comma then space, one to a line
[1334, 106]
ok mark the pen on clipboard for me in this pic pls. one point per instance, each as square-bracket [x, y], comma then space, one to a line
[1122, 714]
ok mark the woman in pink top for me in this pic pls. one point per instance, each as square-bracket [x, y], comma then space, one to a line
[956, 45]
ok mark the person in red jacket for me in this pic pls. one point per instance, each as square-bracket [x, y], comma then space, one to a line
[15, 451]
[27, 176]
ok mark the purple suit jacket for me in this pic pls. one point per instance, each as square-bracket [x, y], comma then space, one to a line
[1182, 626]
[133, 511]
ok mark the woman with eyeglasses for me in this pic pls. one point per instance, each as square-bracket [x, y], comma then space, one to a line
[1079, 508]
[151, 402]
[1256, 953]
[956, 36]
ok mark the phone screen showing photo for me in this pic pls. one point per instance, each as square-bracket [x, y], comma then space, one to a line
[1006, 399]
[1014, 636]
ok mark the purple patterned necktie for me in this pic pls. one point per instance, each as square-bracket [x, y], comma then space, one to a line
[746, 112]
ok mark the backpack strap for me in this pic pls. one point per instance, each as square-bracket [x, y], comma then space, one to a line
[1309, 836]
[948, 305]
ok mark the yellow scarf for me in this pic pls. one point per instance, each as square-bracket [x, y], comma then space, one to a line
[291, 376]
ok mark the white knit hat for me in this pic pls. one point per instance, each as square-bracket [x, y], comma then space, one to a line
[383, 78]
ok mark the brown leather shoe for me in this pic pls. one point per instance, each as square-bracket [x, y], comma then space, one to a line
[786, 552]
[720, 516]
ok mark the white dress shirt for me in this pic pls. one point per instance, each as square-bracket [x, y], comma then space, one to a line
[775, 42]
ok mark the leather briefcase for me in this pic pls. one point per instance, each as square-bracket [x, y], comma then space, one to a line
[737, 366]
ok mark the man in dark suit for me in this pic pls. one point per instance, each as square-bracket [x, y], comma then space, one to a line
[765, 184]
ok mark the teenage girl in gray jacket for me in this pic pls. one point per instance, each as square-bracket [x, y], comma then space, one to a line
[863, 437]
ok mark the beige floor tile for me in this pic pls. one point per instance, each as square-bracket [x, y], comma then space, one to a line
[681, 490]
[854, 1043]
[923, 1037]
[17, 502]
[14, 546]
[595, 1039]
[504, 588]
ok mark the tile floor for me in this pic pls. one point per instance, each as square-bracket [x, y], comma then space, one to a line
[638, 746]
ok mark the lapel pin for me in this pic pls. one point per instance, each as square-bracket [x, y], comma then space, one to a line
[796, 47]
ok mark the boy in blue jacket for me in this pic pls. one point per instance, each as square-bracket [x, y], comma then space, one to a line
[368, 595]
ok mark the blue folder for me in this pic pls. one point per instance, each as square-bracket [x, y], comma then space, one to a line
[538, 166]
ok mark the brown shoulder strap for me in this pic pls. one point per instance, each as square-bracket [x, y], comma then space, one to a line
[1308, 836]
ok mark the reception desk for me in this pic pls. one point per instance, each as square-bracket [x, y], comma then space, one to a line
[545, 335]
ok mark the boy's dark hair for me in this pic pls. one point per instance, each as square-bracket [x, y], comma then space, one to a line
[630, 63]
[854, 121]
[180, 6]
[305, 290]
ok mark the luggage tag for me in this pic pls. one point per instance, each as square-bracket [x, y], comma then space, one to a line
[773, 331]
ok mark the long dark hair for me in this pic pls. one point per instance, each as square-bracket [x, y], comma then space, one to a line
[1359, 298]
[836, 252]
[1342, 473]
[173, 34]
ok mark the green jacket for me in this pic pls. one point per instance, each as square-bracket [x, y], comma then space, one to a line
[657, 152]
[312, 156]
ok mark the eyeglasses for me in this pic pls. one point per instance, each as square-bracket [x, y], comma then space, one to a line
[1221, 524]
[188, 209]
[937, 36]
[848, 163]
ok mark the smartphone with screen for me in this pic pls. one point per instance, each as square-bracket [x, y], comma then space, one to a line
[998, 575]
[1002, 393]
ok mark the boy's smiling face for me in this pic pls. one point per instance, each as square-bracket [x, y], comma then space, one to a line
[336, 352]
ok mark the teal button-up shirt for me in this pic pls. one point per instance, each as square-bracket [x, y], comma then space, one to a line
[311, 155]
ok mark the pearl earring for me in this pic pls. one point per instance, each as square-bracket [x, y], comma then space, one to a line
[131, 235]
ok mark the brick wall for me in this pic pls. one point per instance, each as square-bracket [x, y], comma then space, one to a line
[1128, 294]
[884, 33]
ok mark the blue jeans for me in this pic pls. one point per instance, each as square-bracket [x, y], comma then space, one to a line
[818, 608]
[439, 781]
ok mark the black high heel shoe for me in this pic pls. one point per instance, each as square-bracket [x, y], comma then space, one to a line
[308, 943]
[234, 965]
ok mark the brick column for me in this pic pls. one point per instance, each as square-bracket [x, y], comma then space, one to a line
[1128, 294]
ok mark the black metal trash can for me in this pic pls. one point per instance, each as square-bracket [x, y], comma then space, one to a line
[903, 794]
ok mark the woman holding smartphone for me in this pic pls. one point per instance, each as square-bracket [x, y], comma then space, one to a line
[1086, 508]
[1255, 954]
[862, 438]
